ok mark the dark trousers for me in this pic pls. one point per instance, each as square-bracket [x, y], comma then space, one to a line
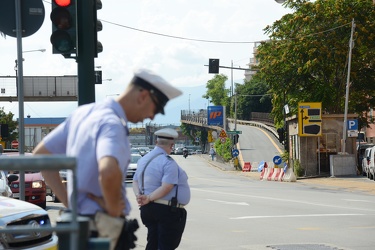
[165, 227]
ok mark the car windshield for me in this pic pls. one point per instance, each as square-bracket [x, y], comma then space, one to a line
[135, 158]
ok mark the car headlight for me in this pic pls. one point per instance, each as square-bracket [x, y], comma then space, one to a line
[37, 184]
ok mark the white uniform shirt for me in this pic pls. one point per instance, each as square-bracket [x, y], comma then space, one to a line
[161, 169]
[90, 133]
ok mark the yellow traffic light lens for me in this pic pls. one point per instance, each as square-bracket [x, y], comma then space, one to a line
[63, 3]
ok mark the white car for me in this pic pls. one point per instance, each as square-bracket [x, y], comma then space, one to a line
[371, 164]
[18, 212]
[132, 166]
[4, 187]
[366, 161]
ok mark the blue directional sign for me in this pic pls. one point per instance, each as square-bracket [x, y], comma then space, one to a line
[235, 152]
[261, 166]
[277, 160]
[285, 167]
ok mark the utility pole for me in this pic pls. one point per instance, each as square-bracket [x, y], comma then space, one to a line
[344, 131]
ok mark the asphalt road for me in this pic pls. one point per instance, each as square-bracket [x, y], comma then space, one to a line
[235, 210]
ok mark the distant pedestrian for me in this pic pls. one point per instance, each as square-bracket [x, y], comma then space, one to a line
[212, 152]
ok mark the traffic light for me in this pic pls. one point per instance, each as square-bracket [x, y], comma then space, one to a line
[97, 27]
[64, 27]
[4, 130]
[98, 77]
[235, 138]
[280, 132]
[213, 66]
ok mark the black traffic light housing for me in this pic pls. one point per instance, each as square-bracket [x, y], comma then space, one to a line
[213, 66]
[281, 133]
[98, 26]
[98, 77]
[64, 27]
[235, 138]
[4, 130]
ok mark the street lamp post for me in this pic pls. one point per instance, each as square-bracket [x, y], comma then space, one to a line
[19, 85]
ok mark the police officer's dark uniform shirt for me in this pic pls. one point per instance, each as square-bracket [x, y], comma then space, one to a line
[93, 131]
[162, 169]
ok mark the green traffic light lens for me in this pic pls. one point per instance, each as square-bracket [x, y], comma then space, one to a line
[62, 41]
[61, 18]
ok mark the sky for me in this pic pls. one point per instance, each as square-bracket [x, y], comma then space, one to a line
[126, 48]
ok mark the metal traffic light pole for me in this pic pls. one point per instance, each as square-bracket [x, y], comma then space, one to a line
[85, 52]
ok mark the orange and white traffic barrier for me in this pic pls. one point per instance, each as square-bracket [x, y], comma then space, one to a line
[276, 173]
[280, 175]
[264, 173]
[270, 173]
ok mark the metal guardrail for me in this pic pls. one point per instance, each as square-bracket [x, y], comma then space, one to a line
[46, 162]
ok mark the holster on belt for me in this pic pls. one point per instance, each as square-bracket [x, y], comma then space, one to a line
[120, 231]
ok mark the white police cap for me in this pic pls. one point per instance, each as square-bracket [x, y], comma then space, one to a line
[167, 133]
[159, 87]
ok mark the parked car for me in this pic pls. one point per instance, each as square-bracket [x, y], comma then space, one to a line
[4, 187]
[361, 154]
[132, 166]
[178, 151]
[134, 150]
[366, 161]
[143, 150]
[35, 186]
[17, 212]
[371, 164]
[35, 189]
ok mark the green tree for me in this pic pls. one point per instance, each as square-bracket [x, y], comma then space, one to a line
[12, 125]
[252, 96]
[217, 92]
[306, 58]
[224, 149]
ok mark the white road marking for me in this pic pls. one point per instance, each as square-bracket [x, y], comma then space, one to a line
[292, 216]
[281, 200]
[230, 203]
[359, 200]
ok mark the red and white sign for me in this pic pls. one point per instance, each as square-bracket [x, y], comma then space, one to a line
[14, 144]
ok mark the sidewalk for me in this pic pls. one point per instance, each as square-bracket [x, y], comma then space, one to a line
[349, 183]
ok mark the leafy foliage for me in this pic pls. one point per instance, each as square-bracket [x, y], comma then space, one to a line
[12, 125]
[306, 58]
[252, 97]
[217, 92]
[224, 149]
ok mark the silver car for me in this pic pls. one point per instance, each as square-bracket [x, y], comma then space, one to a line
[17, 212]
[132, 166]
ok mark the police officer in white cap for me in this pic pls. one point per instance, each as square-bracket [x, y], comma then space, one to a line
[162, 192]
[97, 135]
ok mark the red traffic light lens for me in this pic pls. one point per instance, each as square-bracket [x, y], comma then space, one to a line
[63, 3]
[61, 18]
